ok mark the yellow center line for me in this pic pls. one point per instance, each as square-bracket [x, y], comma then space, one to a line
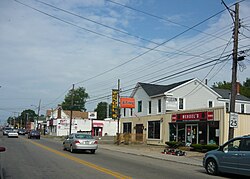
[83, 162]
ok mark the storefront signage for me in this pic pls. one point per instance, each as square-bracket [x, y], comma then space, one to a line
[92, 115]
[171, 103]
[196, 116]
[127, 102]
[115, 104]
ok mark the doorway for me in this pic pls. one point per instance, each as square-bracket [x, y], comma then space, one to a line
[191, 134]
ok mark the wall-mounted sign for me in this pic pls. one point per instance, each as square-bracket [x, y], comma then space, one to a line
[114, 103]
[92, 115]
[195, 116]
[127, 102]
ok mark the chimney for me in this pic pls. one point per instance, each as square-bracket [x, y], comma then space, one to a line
[59, 112]
[205, 81]
[238, 88]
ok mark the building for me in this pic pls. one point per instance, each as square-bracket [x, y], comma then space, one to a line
[58, 123]
[187, 111]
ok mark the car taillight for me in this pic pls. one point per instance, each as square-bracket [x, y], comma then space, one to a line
[77, 142]
[95, 142]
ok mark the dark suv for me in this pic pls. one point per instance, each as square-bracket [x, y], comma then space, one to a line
[231, 157]
[34, 134]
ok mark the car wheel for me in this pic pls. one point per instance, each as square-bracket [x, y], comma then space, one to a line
[92, 151]
[211, 167]
[71, 149]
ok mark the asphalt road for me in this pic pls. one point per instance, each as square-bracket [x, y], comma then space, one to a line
[44, 158]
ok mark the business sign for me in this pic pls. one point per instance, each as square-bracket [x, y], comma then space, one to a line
[171, 103]
[195, 116]
[92, 115]
[127, 102]
[114, 103]
[233, 120]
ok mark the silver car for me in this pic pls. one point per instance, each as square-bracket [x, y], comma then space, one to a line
[80, 141]
[231, 157]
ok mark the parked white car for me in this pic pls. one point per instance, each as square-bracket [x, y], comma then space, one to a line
[13, 133]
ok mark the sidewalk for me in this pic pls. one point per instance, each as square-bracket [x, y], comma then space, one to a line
[152, 151]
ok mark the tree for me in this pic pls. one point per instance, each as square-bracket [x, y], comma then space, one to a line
[79, 100]
[244, 89]
[101, 110]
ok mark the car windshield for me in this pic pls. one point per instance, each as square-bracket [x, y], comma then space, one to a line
[83, 136]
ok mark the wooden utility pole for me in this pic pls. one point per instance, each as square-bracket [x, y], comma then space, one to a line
[38, 113]
[71, 108]
[234, 68]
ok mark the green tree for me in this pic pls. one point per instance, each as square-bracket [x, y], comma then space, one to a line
[79, 99]
[101, 110]
[244, 89]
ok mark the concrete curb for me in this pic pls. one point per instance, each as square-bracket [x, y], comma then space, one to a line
[190, 160]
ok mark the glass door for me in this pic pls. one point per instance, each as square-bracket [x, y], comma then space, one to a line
[191, 134]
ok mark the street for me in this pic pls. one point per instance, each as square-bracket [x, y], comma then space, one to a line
[44, 158]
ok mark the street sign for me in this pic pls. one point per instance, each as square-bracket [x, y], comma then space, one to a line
[233, 120]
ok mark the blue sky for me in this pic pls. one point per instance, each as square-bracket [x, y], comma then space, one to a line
[46, 46]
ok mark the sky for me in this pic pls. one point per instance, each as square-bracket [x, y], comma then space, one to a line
[46, 46]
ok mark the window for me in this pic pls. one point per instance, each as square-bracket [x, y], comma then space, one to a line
[242, 108]
[210, 104]
[227, 107]
[245, 145]
[149, 107]
[159, 105]
[139, 106]
[180, 103]
[154, 129]
[232, 146]
[127, 127]
[131, 112]
[124, 112]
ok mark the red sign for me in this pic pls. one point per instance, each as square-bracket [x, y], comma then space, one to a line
[196, 116]
[127, 102]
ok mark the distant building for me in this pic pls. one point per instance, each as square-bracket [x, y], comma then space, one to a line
[58, 123]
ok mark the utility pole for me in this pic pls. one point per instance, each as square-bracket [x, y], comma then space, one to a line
[118, 101]
[38, 111]
[71, 108]
[234, 68]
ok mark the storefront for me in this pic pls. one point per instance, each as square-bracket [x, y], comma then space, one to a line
[194, 128]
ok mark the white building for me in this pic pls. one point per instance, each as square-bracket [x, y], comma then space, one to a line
[58, 123]
[152, 99]
[187, 111]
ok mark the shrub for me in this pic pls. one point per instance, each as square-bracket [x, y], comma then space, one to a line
[204, 148]
[174, 144]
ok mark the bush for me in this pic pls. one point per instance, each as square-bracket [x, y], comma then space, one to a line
[204, 148]
[174, 144]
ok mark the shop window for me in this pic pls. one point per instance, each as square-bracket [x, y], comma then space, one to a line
[154, 129]
[181, 103]
[149, 107]
[159, 105]
[139, 106]
[242, 108]
[172, 132]
[127, 127]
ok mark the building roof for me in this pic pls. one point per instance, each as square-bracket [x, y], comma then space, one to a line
[225, 93]
[153, 89]
[77, 114]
